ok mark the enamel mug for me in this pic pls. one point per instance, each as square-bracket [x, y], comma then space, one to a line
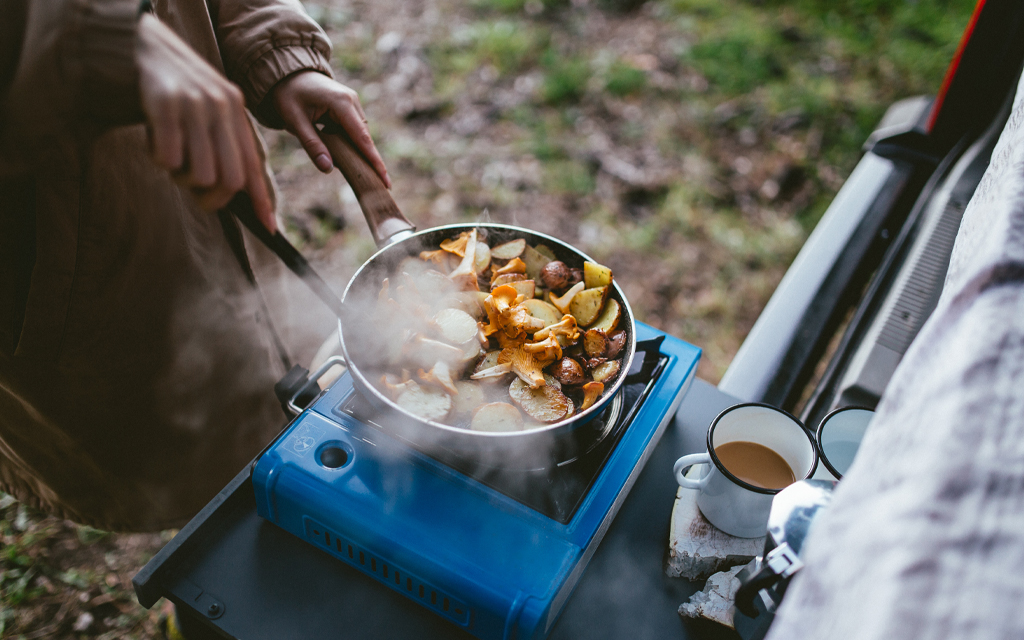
[733, 505]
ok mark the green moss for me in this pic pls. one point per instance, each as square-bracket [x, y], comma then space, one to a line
[565, 79]
[511, 46]
[624, 80]
[567, 177]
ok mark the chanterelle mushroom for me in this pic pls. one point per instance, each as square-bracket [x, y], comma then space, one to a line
[438, 257]
[591, 392]
[506, 311]
[562, 302]
[546, 350]
[464, 275]
[440, 375]
[458, 245]
[526, 365]
[515, 265]
[565, 330]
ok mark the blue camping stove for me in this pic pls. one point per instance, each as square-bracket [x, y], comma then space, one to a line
[495, 551]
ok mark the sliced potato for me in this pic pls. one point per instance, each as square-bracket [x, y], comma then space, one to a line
[608, 321]
[544, 311]
[424, 352]
[489, 360]
[413, 265]
[507, 278]
[482, 260]
[497, 416]
[595, 275]
[471, 351]
[545, 250]
[469, 301]
[480, 297]
[595, 343]
[489, 370]
[543, 404]
[524, 287]
[470, 396]
[509, 250]
[456, 326]
[535, 261]
[552, 381]
[586, 305]
[425, 402]
[606, 371]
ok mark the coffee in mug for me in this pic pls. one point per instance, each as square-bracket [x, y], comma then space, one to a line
[754, 450]
[755, 464]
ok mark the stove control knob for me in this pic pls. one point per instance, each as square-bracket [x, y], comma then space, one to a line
[333, 457]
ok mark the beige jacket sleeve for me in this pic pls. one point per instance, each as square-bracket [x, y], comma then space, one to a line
[66, 66]
[264, 41]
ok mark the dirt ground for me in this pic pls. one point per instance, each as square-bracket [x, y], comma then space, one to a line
[690, 145]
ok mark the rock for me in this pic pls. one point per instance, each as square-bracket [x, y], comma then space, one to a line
[389, 42]
[716, 601]
[83, 622]
[696, 548]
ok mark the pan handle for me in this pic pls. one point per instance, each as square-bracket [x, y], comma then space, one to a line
[386, 221]
[328, 364]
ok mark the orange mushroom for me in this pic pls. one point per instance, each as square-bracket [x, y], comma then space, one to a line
[591, 392]
[565, 330]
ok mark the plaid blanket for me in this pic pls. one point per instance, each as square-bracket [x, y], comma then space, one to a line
[925, 536]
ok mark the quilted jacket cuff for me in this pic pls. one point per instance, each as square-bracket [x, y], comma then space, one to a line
[273, 66]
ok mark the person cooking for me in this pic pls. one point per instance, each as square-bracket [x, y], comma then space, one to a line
[137, 356]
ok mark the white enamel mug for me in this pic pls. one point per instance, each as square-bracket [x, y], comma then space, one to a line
[839, 436]
[730, 504]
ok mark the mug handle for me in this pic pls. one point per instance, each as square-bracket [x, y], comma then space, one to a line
[682, 464]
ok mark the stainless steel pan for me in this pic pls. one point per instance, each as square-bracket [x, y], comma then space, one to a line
[397, 239]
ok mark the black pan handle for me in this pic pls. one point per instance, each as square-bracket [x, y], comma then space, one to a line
[385, 219]
[241, 207]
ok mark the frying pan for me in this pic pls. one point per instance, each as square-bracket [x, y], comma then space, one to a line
[397, 239]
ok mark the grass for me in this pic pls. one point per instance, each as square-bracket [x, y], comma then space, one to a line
[52, 572]
[624, 80]
[509, 45]
[565, 78]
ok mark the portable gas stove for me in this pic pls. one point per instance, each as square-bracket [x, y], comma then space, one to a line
[495, 551]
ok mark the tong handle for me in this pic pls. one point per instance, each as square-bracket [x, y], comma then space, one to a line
[385, 219]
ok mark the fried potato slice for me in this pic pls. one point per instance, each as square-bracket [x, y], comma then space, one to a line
[509, 250]
[610, 316]
[543, 404]
[606, 371]
[497, 417]
[595, 275]
[425, 402]
[587, 304]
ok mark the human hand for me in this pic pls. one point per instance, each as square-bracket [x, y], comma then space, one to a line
[303, 98]
[198, 126]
